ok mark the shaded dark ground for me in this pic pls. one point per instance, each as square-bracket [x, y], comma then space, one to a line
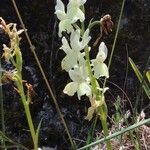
[39, 18]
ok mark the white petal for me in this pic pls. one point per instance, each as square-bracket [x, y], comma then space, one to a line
[78, 74]
[86, 38]
[76, 43]
[59, 6]
[102, 54]
[81, 59]
[72, 4]
[74, 14]
[75, 40]
[65, 45]
[82, 2]
[79, 15]
[60, 10]
[100, 69]
[71, 88]
[61, 15]
[84, 72]
[83, 89]
[69, 61]
[65, 25]
[77, 2]
[75, 74]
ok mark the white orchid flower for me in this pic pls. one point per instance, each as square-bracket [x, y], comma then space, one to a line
[99, 67]
[78, 44]
[69, 17]
[74, 57]
[80, 82]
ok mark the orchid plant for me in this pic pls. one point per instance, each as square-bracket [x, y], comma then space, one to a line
[13, 55]
[83, 71]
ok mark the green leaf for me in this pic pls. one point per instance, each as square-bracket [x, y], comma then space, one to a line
[140, 77]
[10, 141]
[148, 75]
[37, 132]
[91, 132]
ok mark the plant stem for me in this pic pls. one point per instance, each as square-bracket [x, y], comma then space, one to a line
[93, 24]
[93, 80]
[27, 110]
[31, 126]
[103, 118]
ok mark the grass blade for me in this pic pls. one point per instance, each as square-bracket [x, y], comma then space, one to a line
[7, 139]
[117, 133]
[140, 78]
[37, 131]
[148, 75]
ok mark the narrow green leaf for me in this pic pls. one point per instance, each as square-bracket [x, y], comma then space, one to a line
[37, 132]
[136, 125]
[91, 132]
[148, 75]
[10, 141]
[140, 78]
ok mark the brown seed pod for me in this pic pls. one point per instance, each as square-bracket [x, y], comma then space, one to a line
[106, 24]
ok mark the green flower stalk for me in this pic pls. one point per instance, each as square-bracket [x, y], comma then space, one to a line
[83, 72]
[13, 54]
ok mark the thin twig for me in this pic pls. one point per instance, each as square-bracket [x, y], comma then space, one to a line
[115, 39]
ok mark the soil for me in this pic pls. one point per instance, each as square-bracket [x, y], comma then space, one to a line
[38, 16]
